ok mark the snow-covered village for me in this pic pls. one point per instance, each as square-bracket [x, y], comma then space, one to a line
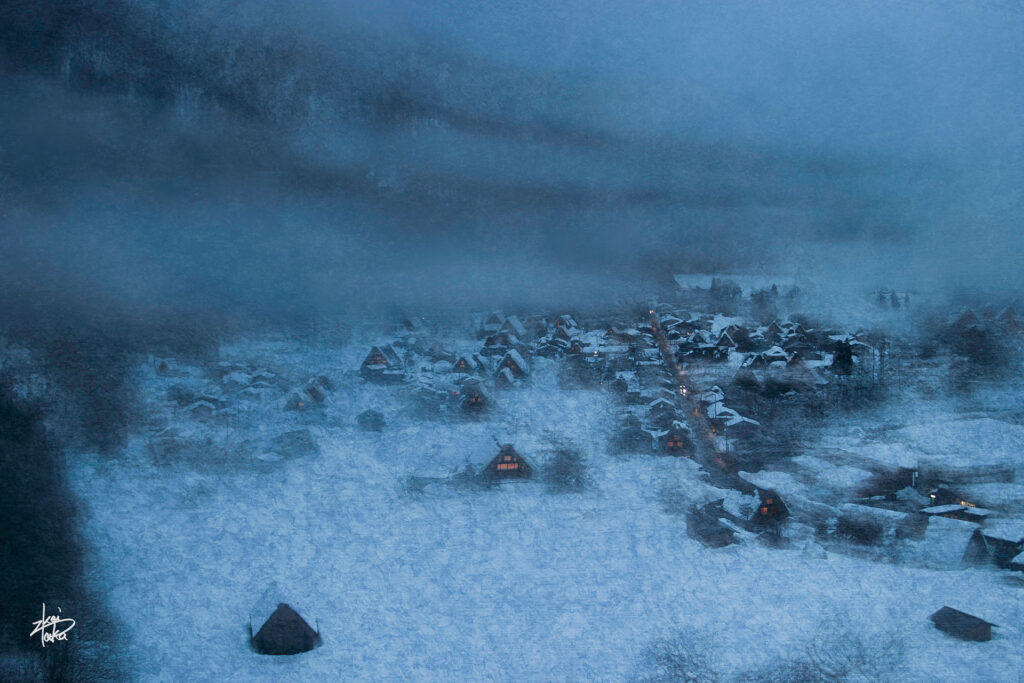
[707, 486]
[474, 341]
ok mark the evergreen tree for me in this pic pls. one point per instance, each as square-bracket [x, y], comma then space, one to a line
[842, 361]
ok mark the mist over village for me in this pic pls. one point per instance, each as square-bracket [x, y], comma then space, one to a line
[589, 340]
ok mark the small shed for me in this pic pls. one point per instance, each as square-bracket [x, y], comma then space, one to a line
[508, 464]
[284, 633]
[962, 625]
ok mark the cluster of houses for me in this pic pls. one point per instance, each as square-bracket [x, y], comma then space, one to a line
[1006, 320]
[975, 535]
[725, 423]
[629, 361]
[213, 395]
[210, 396]
[723, 522]
[935, 520]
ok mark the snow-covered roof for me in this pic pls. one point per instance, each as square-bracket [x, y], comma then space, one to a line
[997, 494]
[712, 395]
[717, 411]
[781, 482]
[954, 507]
[267, 604]
[515, 326]
[866, 511]
[945, 541]
[517, 358]
[1011, 530]
[507, 375]
[740, 420]
[567, 320]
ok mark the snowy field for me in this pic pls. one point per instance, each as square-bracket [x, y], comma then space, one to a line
[511, 583]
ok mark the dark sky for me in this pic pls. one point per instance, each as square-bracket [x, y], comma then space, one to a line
[333, 155]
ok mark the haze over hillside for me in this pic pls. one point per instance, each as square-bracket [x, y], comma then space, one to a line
[287, 156]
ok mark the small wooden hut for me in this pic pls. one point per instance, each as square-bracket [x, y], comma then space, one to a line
[508, 464]
[962, 625]
[284, 633]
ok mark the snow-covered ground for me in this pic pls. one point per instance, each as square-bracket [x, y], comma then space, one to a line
[512, 583]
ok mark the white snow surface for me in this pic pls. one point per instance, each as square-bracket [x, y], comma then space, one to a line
[513, 583]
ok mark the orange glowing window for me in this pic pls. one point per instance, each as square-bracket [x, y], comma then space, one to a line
[764, 511]
[506, 466]
[769, 501]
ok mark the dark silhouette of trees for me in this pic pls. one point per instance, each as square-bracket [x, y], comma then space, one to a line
[842, 360]
[566, 472]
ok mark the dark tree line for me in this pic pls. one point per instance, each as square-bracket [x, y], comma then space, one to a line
[41, 556]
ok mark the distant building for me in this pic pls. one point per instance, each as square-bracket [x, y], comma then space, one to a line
[514, 326]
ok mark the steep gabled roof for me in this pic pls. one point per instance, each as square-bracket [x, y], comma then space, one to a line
[516, 358]
[514, 325]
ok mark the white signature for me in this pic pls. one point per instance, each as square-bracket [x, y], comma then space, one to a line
[58, 627]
